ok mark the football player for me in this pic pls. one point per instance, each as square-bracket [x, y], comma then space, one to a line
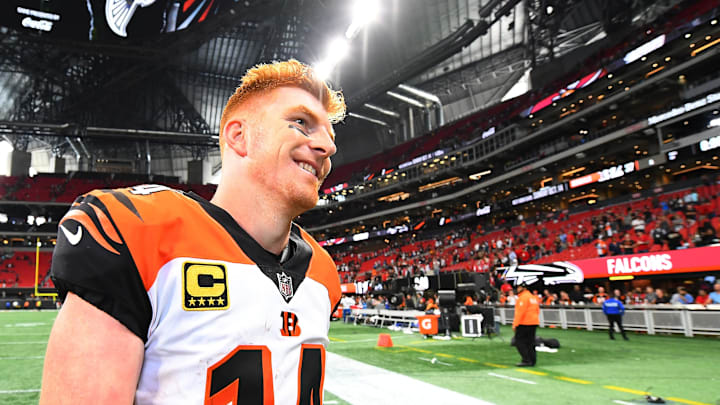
[172, 299]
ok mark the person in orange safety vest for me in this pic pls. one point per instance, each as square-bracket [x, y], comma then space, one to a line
[527, 312]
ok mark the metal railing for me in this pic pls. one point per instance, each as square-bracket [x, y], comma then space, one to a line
[689, 320]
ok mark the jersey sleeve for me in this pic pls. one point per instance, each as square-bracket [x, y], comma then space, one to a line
[92, 260]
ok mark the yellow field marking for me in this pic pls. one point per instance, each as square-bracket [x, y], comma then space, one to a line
[424, 341]
[574, 380]
[332, 339]
[468, 360]
[628, 390]
[444, 355]
[419, 350]
[495, 365]
[686, 401]
[395, 349]
[524, 370]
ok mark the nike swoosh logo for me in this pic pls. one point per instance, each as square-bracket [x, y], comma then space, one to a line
[73, 238]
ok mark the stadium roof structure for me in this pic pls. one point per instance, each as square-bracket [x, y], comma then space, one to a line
[89, 92]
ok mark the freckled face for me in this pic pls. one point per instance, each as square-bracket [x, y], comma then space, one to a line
[290, 143]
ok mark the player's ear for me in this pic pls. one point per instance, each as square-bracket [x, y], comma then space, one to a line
[235, 135]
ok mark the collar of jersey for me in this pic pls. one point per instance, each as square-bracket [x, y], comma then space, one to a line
[300, 255]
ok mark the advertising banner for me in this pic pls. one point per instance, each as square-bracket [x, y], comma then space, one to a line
[653, 263]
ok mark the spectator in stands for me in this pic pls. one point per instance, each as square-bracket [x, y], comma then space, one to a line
[681, 297]
[627, 220]
[614, 311]
[674, 238]
[525, 322]
[661, 297]
[431, 305]
[410, 302]
[614, 248]
[650, 296]
[702, 298]
[707, 233]
[112, 336]
[564, 299]
[576, 295]
[511, 298]
[660, 232]
[548, 298]
[600, 297]
[715, 295]
[601, 246]
[690, 213]
[637, 297]
[627, 245]
[638, 224]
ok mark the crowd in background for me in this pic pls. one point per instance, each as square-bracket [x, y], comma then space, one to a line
[677, 221]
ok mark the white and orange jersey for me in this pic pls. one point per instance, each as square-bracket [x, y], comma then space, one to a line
[223, 320]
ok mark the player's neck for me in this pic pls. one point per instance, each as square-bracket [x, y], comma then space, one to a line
[258, 216]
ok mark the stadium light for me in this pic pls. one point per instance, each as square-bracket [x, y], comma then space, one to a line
[405, 99]
[337, 51]
[6, 147]
[364, 12]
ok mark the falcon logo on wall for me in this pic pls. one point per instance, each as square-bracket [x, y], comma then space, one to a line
[549, 274]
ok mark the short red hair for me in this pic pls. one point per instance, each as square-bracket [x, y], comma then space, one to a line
[265, 77]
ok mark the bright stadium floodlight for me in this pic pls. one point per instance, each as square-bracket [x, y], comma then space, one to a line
[6, 147]
[364, 13]
[337, 50]
[323, 69]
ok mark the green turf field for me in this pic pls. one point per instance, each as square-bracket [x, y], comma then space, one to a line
[588, 369]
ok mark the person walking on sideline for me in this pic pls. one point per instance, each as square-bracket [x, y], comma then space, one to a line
[527, 313]
[614, 310]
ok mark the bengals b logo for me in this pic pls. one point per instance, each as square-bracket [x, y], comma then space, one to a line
[290, 324]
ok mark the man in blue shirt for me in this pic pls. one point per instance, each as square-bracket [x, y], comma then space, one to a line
[715, 295]
[614, 310]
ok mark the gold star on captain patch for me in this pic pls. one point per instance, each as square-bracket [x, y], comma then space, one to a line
[192, 302]
[202, 301]
[221, 301]
[211, 301]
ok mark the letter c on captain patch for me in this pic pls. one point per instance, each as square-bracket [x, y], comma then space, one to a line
[204, 287]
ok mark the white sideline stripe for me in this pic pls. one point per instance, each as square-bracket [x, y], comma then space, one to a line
[617, 401]
[512, 378]
[24, 343]
[19, 391]
[349, 379]
[25, 334]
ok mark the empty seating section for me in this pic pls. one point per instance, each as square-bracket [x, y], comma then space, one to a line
[459, 253]
[18, 269]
